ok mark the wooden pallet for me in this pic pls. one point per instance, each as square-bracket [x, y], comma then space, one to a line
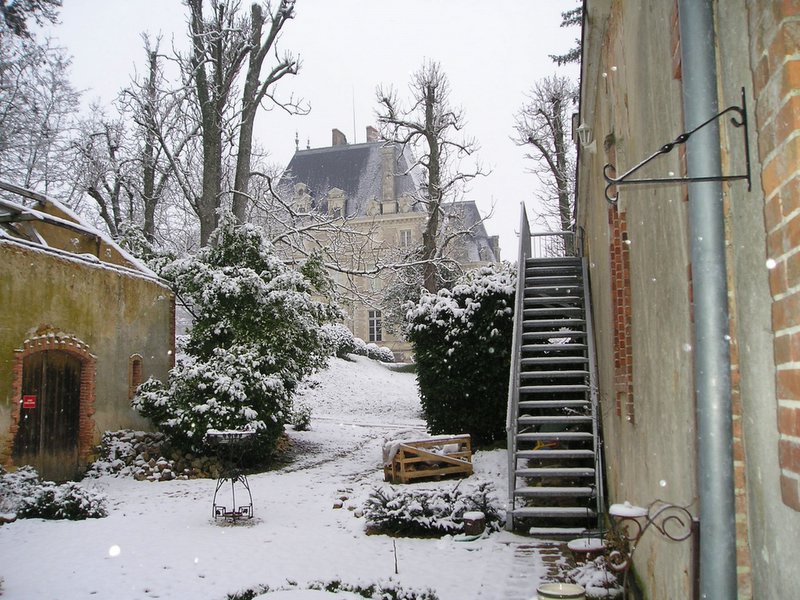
[434, 457]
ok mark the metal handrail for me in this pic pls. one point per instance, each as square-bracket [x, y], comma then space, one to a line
[593, 386]
[516, 345]
[554, 244]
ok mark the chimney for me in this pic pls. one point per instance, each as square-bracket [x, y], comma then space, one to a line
[388, 168]
[494, 241]
[372, 134]
[338, 138]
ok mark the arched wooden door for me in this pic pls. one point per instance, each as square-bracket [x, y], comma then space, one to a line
[49, 417]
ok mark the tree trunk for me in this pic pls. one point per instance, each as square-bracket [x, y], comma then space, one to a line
[431, 235]
[249, 106]
[148, 155]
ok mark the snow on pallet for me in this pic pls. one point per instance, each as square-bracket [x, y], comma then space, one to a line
[438, 456]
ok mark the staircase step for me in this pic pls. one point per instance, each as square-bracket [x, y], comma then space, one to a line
[539, 404]
[552, 290]
[554, 453]
[553, 511]
[555, 472]
[547, 492]
[553, 360]
[554, 435]
[555, 323]
[552, 347]
[552, 389]
[541, 279]
[558, 267]
[566, 419]
[558, 532]
[553, 260]
[552, 334]
[562, 299]
[538, 315]
[553, 374]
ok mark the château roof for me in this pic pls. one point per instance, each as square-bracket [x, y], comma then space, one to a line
[356, 169]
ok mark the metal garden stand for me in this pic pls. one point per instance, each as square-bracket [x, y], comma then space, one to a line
[230, 446]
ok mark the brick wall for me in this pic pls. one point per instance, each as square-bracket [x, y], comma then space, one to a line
[775, 27]
[621, 307]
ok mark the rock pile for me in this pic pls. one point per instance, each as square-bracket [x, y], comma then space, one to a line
[145, 456]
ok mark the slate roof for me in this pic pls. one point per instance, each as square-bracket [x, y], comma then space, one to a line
[477, 245]
[354, 169]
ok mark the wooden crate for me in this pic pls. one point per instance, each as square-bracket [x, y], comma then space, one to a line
[433, 457]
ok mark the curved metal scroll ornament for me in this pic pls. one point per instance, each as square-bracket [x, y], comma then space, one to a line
[671, 520]
[740, 111]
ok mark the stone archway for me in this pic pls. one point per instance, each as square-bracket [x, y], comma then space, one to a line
[51, 419]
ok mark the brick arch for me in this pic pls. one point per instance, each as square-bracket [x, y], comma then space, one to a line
[71, 345]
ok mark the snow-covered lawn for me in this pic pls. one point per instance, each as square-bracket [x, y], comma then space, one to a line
[160, 541]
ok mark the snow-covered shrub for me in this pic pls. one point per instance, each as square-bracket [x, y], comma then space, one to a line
[462, 346]
[597, 578]
[301, 416]
[382, 590]
[257, 333]
[342, 342]
[14, 487]
[359, 347]
[339, 339]
[430, 512]
[380, 353]
[65, 501]
[24, 496]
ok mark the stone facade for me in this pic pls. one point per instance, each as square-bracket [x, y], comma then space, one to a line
[642, 278]
[101, 307]
[373, 187]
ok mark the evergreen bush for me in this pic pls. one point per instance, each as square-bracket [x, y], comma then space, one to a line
[65, 501]
[462, 346]
[23, 495]
[256, 334]
[430, 512]
[341, 342]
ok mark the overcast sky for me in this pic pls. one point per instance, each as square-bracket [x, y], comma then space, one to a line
[491, 50]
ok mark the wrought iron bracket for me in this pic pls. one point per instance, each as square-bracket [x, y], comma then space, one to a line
[738, 120]
[672, 521]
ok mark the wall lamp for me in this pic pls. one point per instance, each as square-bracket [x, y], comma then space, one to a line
[586, 137]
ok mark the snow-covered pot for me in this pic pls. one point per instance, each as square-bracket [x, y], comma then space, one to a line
[560, 591]
[586, 549]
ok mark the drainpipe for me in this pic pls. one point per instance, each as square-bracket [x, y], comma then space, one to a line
[712, 373]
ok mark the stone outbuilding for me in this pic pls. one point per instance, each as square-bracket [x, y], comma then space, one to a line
[82, 324]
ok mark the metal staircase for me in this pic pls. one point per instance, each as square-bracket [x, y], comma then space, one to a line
[555, 470]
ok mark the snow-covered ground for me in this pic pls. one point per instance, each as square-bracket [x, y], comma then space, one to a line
[160, 541]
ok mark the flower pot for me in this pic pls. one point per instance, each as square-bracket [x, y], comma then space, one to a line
[560, 591]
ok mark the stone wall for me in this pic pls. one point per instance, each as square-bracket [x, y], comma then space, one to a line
[110, 313]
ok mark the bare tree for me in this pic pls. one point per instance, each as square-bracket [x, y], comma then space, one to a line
[219, 49]
[164, 137]
[541, 124]
[256, 90]
[15, 14]
[38, 107]
[432, 128]
[104, 169]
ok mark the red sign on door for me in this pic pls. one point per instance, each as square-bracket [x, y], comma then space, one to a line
[29, 402]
